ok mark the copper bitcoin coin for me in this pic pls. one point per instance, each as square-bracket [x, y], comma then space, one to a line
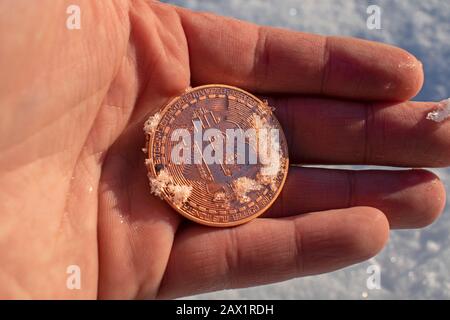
[185, 169]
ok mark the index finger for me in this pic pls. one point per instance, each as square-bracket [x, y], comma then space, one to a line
[267, 59]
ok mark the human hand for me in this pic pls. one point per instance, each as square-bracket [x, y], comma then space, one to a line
[73, 183]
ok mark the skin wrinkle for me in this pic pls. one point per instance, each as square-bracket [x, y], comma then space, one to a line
[318, 239]
[368, 117]
[65, 215]
[281, 199]
[261, 58]
[351, 182]
[232, 258]
[126, 213]
[149, 67]
[287, 113]
[359, 81]
[38, 81]
[186, 32]
[18, 288]
[96, 151]
[299, 248]
[291, 134]
[78, 159]
[141, 291]
[108, 101]
[158, 61]
[326, 62]
[183, 28]
[33, 135]
[413, 118]
[384, 131]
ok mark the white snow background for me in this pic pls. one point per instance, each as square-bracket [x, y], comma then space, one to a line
[414, 264]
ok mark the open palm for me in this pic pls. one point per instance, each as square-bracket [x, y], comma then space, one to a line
[73, 185]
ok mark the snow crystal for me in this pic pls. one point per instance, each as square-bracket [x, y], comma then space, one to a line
[441, 113]
[270, 155]
[242, 186]
[178, 193]
[433, 246]
[151, 123]
[160, 182]
[293, 12]
[219, 196]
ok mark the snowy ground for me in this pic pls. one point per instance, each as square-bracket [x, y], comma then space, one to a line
[415, 263]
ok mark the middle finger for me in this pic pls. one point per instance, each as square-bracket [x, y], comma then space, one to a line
[322, 131]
